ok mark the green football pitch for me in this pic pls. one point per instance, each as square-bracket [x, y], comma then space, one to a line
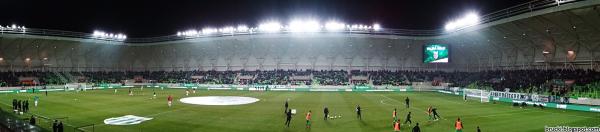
[81, 109]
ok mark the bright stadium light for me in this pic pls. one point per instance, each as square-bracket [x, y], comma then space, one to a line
[376, 27]
[270, 27]
[189, 33]
[354, 27]
[304, 26]
[362, 27]
[110, 36]
[334, 26]
[241, 28]
[469, 19]
[209, 31]
[227, 30]
[13, 27]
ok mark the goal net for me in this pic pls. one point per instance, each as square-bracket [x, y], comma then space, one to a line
[76, 86]
[482, 95]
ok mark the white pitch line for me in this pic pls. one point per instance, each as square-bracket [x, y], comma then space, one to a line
[381, 101]
[160, 113]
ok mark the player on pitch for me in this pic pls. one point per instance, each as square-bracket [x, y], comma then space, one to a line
[407, 101]
[429, 110]
[153, 94]
[36, 99]
[397, 126]
[358, 110]
[326, 112]
[436, 116]
[458, 125]
[408, 119]
[288, 118]
[170, 100]
[394, 115]
[308, 117]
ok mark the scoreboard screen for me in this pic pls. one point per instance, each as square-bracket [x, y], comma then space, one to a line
[436, 53]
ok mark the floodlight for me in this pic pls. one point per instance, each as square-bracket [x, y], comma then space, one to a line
[450, 26]
[190, 33]
[469, 19]
[270, 27]
[334, 26]
[376, 27]
[228, 29]
[304, 26]
[354, 27]
[241, 28]
[362, 27]
[209, 31]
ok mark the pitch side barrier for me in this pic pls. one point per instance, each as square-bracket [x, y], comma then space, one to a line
[517, 99]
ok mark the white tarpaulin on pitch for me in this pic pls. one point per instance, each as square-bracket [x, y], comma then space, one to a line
[126, 120]
[219, 100]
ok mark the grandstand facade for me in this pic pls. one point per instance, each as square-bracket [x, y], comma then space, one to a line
[533, 35]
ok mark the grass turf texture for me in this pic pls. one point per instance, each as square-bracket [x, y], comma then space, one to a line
[93, 106]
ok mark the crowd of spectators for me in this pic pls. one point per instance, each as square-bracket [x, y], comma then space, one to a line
[497, 79]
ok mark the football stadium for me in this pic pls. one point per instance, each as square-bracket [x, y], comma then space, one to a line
[522, 66]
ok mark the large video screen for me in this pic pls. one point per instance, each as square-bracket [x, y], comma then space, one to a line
[436, 53]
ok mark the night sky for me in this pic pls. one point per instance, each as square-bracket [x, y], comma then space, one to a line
[146, 18]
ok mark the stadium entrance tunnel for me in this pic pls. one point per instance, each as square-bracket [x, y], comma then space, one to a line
[219, 100]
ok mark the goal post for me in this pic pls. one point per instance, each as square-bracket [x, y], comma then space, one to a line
[76, 86]
[482, 95]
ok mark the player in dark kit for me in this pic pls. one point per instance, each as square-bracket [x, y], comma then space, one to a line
[20, 105]
[436, 116]
[407, 101]
[288, 118]
[326, 112]
[358, 115]
[286, 107]
[416, 128]
[394, 115]
[408, 119]
[46, 90]
[14, 104]
[26, 106]
[55, 126]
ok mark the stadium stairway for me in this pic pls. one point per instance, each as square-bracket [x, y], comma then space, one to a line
[60, 76]
[70, 78]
